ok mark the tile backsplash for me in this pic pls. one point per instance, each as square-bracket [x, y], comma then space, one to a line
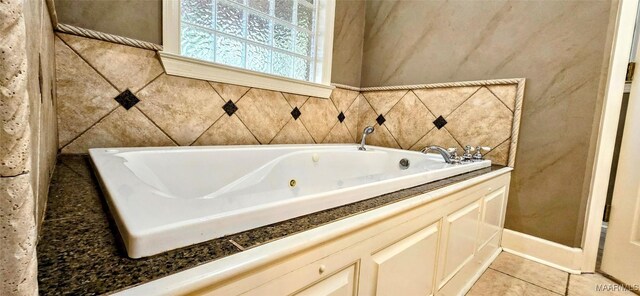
[112, 95]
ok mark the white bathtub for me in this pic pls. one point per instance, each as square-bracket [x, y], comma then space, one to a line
[167, 198]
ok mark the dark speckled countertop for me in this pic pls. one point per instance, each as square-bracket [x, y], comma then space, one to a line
[80, 252]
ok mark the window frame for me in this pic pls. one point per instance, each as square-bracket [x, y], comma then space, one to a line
[176, 64]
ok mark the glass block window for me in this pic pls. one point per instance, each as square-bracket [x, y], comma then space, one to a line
[269, 36]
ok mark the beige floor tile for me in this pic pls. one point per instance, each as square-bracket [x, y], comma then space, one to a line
[496, 283]
[532, 272]
[586, 284]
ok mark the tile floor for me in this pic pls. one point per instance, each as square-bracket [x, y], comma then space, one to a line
[512, 275]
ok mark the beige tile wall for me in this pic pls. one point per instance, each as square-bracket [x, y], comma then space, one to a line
[174, 110]
[475, 115]
[181, 111]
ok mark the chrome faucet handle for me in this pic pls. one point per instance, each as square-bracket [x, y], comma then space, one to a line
[467, 152]
[453, 152]
[479, 150]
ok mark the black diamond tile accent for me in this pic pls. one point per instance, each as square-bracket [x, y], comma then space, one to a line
[295, 113]
[341, 117]
[127, 99]
[230, 108]
[440, 122]
[380, 120]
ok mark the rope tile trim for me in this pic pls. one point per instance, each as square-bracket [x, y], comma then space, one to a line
[64, 28]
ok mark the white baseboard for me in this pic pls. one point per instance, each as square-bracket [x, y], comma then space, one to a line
[542, 251]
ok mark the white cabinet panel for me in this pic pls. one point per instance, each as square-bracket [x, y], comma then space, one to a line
[339, 284]
[493, 205]
[461, 232]
[407, 267]
[447, 241]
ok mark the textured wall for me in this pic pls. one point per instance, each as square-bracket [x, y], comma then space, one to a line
[28, 138]
[559, 46]
[41, 89]
[138, 19]
[348, 39]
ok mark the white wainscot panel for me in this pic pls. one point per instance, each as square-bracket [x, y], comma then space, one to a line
[407, 267]
[461, 230]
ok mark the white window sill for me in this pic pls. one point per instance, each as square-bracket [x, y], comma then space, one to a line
[192, 68]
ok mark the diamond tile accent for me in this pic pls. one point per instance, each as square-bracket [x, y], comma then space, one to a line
[409, 120]
[341, 117]
[382, 101]
[83, 96]
[481, 120]
[319, 116]
[295, 113]
[127, 99]
[228, 130]
[230, 107]
[381, 136]
[444, 100]
[293, 132]
[183, 108]
[229, 92]
[121, 128]
[264, 112]
[440, 122]
[380, 120]
[125, 67]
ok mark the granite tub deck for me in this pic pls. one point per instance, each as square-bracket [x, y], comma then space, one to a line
[80, 252]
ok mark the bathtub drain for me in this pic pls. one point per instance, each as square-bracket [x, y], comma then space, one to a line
[292, 183]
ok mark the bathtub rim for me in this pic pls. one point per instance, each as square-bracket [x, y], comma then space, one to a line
[142, 240]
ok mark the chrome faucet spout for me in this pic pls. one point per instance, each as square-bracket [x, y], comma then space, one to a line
[367, 130]
[448, 157]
